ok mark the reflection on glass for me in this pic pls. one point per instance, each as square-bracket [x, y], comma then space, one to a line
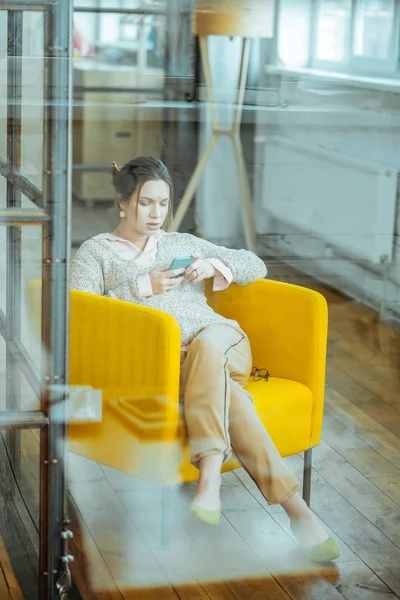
[3, 299]
[119, 75]
[334, 21]
[32, 98]
[20, 503]
[374, 28]
[31, 271]
[30, 471]
[2, 292]
[25, 472]
[122, 38]
[111, 126]
[3, 88]
[3, 237]
[2, 373]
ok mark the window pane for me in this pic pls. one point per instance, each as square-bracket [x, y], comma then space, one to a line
[333, 33]
[118, 38]
[374, 28]
[3, 83]
[294, 32]
[32, 109]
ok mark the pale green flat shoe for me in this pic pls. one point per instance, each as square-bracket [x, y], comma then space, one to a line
[324, 552]
[210, 517]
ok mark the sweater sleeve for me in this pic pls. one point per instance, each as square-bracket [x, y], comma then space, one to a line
[244, 265]
[87, 275]
[87, 272]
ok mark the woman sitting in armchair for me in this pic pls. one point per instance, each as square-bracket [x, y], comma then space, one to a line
[132, 264]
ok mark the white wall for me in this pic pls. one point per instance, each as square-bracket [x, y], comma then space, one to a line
[359, 123]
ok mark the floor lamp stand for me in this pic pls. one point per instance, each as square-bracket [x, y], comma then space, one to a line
[234, 134]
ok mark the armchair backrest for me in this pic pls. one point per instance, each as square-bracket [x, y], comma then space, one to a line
[286, 325]
[118, 344]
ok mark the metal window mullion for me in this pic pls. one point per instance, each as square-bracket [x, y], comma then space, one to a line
[25, 5]
[118, 90]
[29, 189]
[120, 25]
[46, 162]
[397, 49]
[13, 234]
[353, 25]
[97, 24]
[3, 324]
[55, 291]
[16, 216]
[45, 569]
[26, 364]
[396, 37]
[22, 420]
[120, 11]
[313, 33]
[275, 39]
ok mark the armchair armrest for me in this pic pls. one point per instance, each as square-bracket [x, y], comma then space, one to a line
[115, 344]
[119, 347]
[130, 352]
[287, 327]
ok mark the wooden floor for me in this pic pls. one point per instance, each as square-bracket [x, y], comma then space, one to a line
[252, 556]
[9, 586]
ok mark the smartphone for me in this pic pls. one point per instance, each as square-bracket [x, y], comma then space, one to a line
[180, 262]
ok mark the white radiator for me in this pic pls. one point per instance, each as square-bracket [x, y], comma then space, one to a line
[347, 202]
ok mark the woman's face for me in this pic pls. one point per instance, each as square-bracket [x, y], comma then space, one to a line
[146, 214]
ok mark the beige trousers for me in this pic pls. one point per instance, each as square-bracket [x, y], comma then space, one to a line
[220, 414]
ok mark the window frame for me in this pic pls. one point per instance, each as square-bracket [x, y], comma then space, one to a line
[323, 64]
[352, 64]
[388, 65]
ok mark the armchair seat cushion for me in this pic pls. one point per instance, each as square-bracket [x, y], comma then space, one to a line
[285, 409]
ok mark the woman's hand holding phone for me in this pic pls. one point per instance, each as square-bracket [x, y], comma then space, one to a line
[194, 268]
[166, 281]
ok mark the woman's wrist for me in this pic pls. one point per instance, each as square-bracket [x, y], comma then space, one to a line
[144, 285]
[223, 276]
[214, 271]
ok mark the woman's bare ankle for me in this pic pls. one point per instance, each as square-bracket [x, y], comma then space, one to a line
[295, 507]
[209, 485]
[208, 490]
[208, 496]
[305, 524]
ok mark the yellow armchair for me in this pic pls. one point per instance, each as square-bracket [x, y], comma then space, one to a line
[132, 353]
[288, 328]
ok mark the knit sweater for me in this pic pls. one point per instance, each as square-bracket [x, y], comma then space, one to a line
[96, 268]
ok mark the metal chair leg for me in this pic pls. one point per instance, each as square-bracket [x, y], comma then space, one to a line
[247, 206]
[307, 476]
[165, 516]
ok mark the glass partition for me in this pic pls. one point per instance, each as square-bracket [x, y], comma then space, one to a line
[33, 105]
[279, 122]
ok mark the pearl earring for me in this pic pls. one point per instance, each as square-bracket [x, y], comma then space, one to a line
[122, 214]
